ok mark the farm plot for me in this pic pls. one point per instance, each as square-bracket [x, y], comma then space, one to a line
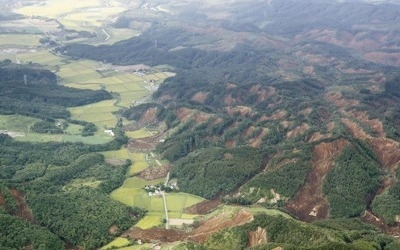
[79, 71]
[29, 25]
[138, 159]
[43, 57]
[35, 137]
[16, 123]
[141, 133]
[117, 35]
[151, 220]
[117, 243]
[55, 8]
[133, 194]
[93, 17]
[99, 113]
[139, 163]
[19, 40]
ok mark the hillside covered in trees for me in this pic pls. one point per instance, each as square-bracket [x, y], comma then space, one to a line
[310, 94]
[289, 105]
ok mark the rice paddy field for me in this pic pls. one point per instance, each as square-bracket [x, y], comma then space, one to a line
[139, 162]
[19, 40]
[132, 193]
[99, 113]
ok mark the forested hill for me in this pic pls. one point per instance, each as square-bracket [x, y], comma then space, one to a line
[313, 84]
[43, 204]
[33, 91]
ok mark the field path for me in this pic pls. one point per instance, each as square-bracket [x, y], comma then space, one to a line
[166, 211]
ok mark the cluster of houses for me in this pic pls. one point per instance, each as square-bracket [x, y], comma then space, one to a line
[159, 189]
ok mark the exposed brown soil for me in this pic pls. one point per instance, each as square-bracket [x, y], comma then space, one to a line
[184, 114]
[256, 142]
[338, 100]
[153, 173]
[354, 129]
[318, 136]
[375, 124]
[200, 234]
[242, 110]
[215, 224]
[23, 209]
[384, 58]
[262, 94]
[309, 70]
[144, 144]
[199, 97]
[387, 151]
[154, 235]
[279, 115]
[3, 201]
[203, 207]
[248, 131]
[372, 219]
[298, 130]
[149, 117]
[229, 100]
[257, 237]
[230, 144]
[113, 229]
[330, 126]
[309, 203]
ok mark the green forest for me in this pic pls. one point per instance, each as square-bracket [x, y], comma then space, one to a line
[43, 206]
[257, 98]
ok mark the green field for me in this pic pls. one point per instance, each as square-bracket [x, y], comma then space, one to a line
[12, 40]
[117, 243]
[99, 113]
[42, 57]
[132, 194]
[55, 8]
[141, 133]
[139, 162]
[137, 167]
[151, 220]
[17, 123]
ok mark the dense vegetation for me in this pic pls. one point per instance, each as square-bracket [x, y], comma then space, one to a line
[284, 180]
[214, 171]
[17, 233]
[32, 91]
[354, 179]
[291, 234]
[60, 190]
[263, 87]
[387, 204]
[66, 187]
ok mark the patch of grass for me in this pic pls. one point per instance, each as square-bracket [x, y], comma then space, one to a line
[119, 154]
[137, 167]
[262, 210]
[35, 137]
[98, 113]
[42, 57]
[16, 123]
[119, 35]
[81, 183]
[77, 73]
[141, 133]
[55, 8]
[150, 221]
[117, 243]
[137, 247]
[19, 40]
